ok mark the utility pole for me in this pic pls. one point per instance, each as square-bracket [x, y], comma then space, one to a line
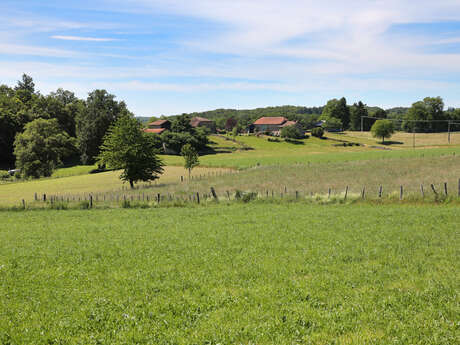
[448, 131]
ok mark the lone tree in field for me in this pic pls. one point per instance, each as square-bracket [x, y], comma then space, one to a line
[191, 158]
[382, 129]
[127, 147]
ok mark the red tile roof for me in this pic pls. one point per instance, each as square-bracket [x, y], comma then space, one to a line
[154, 130]
[271, 120]
[158, 122]
[289, 123]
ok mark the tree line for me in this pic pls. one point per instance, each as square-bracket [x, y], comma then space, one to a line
[338, 115]
[74, 125]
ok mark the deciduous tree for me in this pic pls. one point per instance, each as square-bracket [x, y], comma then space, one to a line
[190, 158]
[127, 147]
[41, 147]
[382, 129]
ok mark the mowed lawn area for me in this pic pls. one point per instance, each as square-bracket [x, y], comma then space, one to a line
[239, 274]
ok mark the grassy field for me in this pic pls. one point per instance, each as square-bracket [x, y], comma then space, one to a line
[12, 193]
[317, 178]
[334, 170]
[257, 274]
[312, 150]
[402, 139]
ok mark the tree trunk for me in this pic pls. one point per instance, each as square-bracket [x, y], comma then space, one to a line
[189, 173]
[131, 183]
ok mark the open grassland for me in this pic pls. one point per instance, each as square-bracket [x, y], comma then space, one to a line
[106, 182]
[317, 178]
[314, 179]
[311, 150]
[240, 274]
[401, 139]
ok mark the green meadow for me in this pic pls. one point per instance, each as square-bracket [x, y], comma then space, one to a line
[311, 150]
[231, 274]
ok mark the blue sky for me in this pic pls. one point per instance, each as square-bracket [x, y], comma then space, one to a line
[174, 56]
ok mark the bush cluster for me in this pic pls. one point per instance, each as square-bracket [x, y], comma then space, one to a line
[317, 132]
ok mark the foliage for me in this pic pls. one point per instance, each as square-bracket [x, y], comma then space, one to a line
[181, 124]
[92, 123]
[126, 147]
[430, 109]
[4, 175]
[317, 132]
[174, 141]
[357, 112]
[41, 147]
[333, 124]
[382, 129]
[291, 132]
[190, 158]
[337, 109]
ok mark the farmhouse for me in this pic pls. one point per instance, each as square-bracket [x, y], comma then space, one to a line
[272, 124]
[158, 126]
[202, 122]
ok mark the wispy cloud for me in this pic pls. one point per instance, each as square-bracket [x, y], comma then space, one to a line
[87, 39]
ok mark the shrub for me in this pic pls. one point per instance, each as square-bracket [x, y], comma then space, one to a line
[4, 175]
[125, 204]
[291, 132]
[83, 205]
[317, 132]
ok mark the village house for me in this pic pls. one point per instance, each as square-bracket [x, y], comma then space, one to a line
[203, 122]
[272, 124]
[158, 126]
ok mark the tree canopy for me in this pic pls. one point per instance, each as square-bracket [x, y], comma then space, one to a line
[190, 158]
[127, 147]
[41, 147]
[338, 109]
[382, 129]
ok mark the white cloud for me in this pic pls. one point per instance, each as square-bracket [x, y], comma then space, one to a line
[79, 38]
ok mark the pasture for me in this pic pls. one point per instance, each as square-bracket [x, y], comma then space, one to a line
[71, 184]
[311, 150]
[231, 274]
[402, 139]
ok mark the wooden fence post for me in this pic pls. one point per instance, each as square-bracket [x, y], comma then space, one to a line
[213, 192]
[434, 189]
[198, 197]
[401, 192]
[346, 193]
[23, 204]
[445, 188]
[329, 193]
[363, 191]
[44, 197]
[296, 194]
[380, 191]
[36, 198]
[158, 197]
[90, 201]
[228, 195]
[422, 191]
